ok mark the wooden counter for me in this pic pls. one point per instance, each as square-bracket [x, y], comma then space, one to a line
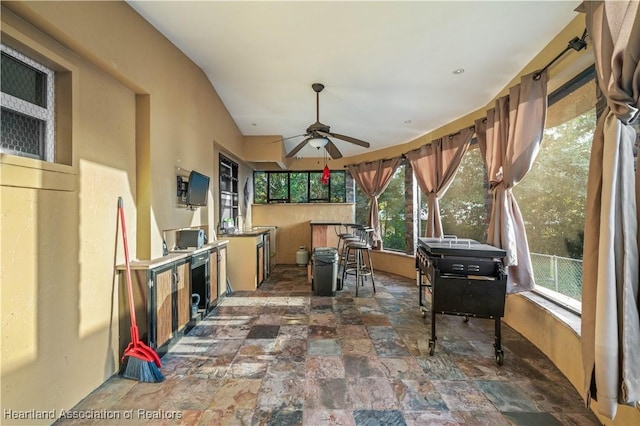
[324, 233]
[173, 256]
[246, 259]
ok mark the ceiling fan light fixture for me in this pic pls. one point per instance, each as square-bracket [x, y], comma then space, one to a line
[318, 142]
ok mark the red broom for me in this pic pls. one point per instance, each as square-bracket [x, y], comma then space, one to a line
[142, 361]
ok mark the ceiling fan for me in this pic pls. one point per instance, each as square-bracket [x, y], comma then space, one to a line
[318, 134]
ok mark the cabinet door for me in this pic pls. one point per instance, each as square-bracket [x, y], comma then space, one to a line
[266, 255]
[260, 263]
[213, 279]
[141, 295]
[163, 311]
[222, 271]
[183, 294]
[272, 249]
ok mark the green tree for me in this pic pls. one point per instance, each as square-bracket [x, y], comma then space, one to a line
[391, 211]
[298, 187]
[552, 196]
[338, 187]
[462, 209]
[260, 187]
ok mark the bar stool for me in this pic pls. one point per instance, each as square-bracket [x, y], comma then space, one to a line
[357, 266]
[354, 233]
[344, 231]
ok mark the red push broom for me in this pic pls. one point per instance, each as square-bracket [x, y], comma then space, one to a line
[142, 361]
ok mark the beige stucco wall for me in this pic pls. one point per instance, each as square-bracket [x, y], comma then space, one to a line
[140, 111]
[293, 222]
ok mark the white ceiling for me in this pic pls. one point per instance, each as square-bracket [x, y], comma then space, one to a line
[387, 66]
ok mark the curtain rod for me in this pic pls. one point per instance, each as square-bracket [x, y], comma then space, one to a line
[404, 155]
[575, 43]
[373, 161]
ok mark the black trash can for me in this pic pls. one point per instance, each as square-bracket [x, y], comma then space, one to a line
[325, 271]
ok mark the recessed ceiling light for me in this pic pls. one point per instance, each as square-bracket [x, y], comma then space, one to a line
[458, 71]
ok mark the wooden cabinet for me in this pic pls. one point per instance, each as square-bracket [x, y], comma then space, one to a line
[169, 303]
[260, 258]
[246, 260]
[217, 275]
[272, 249]
[213, 280]
[183, 296]
[162, 301]
[162, 294]
[161, 321]
[222, 272]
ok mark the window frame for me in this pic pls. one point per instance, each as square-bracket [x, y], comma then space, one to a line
[582, 78]
[44, 114]
[287, 200]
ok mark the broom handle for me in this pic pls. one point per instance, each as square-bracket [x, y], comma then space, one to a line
[132, 310]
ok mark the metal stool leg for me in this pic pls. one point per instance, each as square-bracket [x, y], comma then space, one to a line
[345, 264]
[357, 271]
[373, 282]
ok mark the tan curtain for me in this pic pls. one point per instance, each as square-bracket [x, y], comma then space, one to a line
[610, 319]
[435, 165]
[373, 178]
[510, 140]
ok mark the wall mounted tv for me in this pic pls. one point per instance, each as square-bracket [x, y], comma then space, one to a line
[197, 189]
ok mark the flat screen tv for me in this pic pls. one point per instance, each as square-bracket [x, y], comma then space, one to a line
[197, 189]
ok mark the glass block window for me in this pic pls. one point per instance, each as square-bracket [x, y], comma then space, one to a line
[27, 102]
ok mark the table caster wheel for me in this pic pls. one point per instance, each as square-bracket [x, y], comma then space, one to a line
[465, 319]
[432, 347]
[500, 357]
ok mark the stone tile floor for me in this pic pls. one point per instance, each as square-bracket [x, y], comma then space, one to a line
[282, 356]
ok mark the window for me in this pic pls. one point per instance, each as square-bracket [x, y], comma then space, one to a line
[552, 196]
[278, 187]
[228, 190]
[391, 209]
[27, 102]
[299, 187]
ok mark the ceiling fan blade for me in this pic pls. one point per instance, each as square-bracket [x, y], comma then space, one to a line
[332, 150]
[349, 139]
[290, 137]
[298, 147]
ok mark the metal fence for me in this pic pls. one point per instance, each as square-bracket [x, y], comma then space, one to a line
[561, 274]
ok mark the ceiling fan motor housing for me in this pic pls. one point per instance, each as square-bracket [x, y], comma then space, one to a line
[318, 127]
